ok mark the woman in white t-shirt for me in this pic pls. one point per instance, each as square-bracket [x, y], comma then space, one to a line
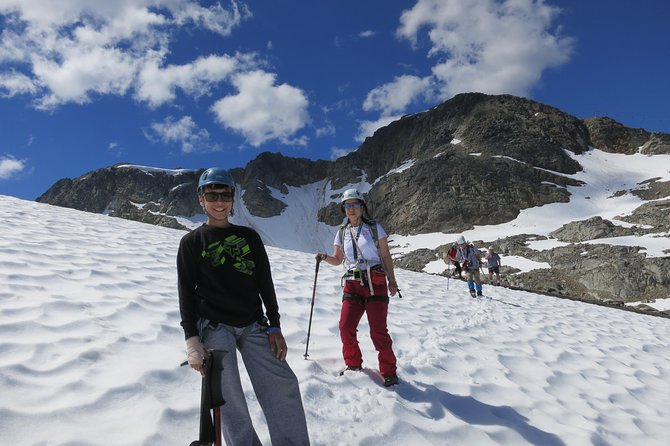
[362, 246]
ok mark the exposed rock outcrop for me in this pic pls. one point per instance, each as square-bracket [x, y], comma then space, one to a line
[611, 136]
[473, 160]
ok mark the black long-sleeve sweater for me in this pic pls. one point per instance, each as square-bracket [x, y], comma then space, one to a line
[224, 276]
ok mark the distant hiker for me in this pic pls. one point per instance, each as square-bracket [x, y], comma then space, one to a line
[493, 260]
[363, 247]
[469, 256]
[224, 281]
[451, 255]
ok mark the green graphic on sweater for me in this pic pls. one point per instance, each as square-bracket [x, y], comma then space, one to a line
[233, 248]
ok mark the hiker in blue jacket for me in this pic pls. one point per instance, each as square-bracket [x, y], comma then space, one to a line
[469, 258]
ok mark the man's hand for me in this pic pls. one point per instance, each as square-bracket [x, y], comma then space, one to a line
[196, 354]
[278, 344]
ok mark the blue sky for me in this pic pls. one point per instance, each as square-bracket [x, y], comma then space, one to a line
[85, 84]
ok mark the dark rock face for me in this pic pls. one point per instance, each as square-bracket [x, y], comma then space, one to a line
[655, 214]
[477, 159]
[459, 191]
[590, 229]
[130, 192]
[611, 136]
[473, 160]
[602, 272]
[273, 170]
[659, 143]
[416, 260]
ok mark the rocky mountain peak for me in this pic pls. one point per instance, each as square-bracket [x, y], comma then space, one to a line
[475, 159]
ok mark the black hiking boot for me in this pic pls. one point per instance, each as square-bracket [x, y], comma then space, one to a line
[479, 293]
[390, 381]
[472, 293]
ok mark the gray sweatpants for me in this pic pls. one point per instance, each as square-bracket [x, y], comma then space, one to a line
[274, 383]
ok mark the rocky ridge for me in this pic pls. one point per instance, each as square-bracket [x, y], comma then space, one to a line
[423, 170]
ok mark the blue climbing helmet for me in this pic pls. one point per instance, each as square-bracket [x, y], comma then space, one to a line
[215, 175]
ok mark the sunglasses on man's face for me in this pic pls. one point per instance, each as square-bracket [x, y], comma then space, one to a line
[353, 205]
[212, 197]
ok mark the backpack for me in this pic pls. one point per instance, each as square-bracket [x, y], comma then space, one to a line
[478, 255]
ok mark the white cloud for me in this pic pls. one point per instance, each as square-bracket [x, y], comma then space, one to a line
[98, 70]
[10, 166]
[337, 152]
[184, 132]
[397, 95]
[367, 33]
[214, 18]
[74, 50]
[115, 149]
[328, 129]
[68, 51]
[487, 46]
[13, 83]
[368, 128]
[157, 85]
[263, 111]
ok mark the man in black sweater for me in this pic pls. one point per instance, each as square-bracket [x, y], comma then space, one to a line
[224, 281]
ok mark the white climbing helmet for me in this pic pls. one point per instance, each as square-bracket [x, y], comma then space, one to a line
[460, 240]
[351, 194]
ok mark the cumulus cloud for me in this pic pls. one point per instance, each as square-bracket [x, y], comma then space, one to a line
[71, 50]
[10, 166]
[214, 18]
[184, 132]
[337, 152]
[368, 128]
[262, 110]
[157, 85]
[326, 130]
[488, 46]
[13, 83]
[395, 96]
[99, 70]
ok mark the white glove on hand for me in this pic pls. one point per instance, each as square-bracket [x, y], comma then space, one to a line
[195, 351]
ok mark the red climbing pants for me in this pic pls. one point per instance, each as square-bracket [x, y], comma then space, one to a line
[357, 300]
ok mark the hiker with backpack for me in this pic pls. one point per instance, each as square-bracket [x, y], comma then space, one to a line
[493, 260]
[470, 262]
[362, 246]
[224, 281]
[451, 256]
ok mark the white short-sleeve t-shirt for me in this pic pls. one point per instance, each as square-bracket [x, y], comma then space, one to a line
[366, 244]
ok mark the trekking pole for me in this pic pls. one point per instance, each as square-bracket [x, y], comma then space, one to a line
[448, 274]
[311, 310]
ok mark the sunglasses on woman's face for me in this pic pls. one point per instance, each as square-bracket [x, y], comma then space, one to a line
[353, 205]
[212, 197]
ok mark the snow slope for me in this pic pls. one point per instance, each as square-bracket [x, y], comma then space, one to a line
[90, 349]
